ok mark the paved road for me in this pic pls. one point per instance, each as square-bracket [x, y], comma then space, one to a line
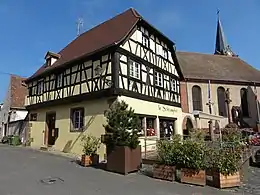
[23, 172]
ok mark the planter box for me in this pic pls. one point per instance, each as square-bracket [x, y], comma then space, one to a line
[222, 181]
[123, 159]
[89, 160]
[193, 177]
[164, 172]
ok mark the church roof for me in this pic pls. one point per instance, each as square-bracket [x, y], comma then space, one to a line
[201, 66]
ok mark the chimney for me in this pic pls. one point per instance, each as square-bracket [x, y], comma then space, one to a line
[51, 58]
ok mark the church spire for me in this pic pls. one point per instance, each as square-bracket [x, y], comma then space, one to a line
[221, 47]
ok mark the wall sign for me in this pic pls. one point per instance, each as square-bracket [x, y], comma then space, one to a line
[167, 109]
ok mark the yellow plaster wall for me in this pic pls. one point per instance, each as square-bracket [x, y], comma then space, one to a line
[156, 109]
[70, 141]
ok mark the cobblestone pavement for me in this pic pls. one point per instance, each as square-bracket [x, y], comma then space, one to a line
[28, 172]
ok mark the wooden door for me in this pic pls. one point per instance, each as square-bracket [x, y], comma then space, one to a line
[51, 130]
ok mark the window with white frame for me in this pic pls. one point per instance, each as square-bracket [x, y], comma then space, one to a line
[173, 85]
[59, 79]
[158, 79]
[134, 69]
[165, 53]
[145, 40]
[77, 119]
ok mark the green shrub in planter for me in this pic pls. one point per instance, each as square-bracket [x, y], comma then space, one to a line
[226, 159]
[168, 154]
[169, 151]
[192, 155]
[192, 162]
[121, 138]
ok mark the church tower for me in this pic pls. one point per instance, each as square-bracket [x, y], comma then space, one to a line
[221, 47]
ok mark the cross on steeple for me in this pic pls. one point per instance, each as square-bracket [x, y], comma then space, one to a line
[221, 47]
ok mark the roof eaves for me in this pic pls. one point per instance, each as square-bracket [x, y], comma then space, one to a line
[67, 63]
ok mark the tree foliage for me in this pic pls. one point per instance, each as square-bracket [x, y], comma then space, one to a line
[122, 127]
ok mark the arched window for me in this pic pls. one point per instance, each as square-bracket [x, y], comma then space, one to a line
[196, 98]
[222, 109]
[244, 102]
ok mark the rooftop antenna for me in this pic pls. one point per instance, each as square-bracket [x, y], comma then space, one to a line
[79, 26]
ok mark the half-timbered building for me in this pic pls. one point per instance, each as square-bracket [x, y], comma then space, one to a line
[219, 87]
[124, 58]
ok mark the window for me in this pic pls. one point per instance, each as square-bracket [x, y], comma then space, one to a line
[48, 62]
[33, 117]
[196, 98]
[222, 110]
[30, 91]
[244, 102]
[59, 79]
[40, 87]
[145, 40]
[150, 131]
[165, 53]
[77, 118]
[173, 85]
[134, 68]
[158, 79]
[148, 125]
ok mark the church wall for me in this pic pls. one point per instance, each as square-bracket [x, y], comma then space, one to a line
[234, 95]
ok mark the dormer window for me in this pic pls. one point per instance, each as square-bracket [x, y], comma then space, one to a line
[51, 58]
[48, 62]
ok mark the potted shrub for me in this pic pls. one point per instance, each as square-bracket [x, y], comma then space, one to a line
[192, 162]
[226, 160]
[168, 152]
[122, 128]
[90, 146]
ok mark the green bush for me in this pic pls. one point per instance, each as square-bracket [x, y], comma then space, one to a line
[90, 144]
[192, 154]
[122, 127]
[226, 161]
[169, 150]
[226, 158]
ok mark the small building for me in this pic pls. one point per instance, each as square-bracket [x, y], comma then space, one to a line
[13, 115]
[124, 58]
[213, 80]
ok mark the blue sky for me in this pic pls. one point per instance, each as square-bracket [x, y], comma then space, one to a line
[30, 28]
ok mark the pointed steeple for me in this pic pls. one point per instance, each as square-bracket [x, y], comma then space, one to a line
[221, 47]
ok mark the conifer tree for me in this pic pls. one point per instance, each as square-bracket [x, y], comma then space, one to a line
[122, 127]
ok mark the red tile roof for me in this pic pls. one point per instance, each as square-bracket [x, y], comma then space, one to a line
[102, 36]
[216, 67]
[18, 91]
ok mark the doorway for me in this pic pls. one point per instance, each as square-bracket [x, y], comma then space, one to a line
[51, 131]
[188, 127]
[166, 128]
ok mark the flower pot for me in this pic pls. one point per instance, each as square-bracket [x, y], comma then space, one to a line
[123, 159]
[191, 176]
[87, 160]
[222, 181]
[164, 172]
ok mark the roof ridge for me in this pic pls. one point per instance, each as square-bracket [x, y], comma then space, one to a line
[95, 27]
[209, 54]
[136, 14]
